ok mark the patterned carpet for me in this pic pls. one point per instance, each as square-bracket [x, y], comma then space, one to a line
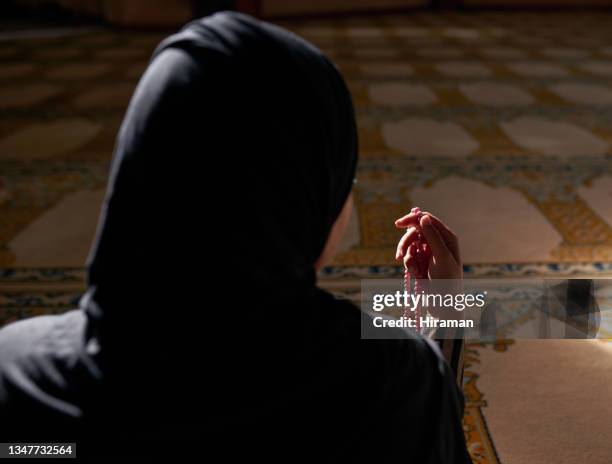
[497, 124]
[500, 123]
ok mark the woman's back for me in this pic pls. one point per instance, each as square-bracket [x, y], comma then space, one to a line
[202, 327]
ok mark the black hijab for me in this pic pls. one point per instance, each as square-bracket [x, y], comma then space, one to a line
[235, 157]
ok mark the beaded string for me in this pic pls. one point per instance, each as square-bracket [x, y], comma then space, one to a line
[418, 272]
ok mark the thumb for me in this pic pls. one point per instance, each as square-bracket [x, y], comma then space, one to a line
[434, 239]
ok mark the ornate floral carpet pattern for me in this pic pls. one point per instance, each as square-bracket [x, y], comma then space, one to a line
[500, 123]
[483, 119]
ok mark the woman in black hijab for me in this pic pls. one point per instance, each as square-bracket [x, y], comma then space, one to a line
[202, 330]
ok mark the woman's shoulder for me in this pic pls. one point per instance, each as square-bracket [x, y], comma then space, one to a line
[340, 310]
[350, 322]
[357, 322]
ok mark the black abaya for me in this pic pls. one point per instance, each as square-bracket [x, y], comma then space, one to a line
[202, 330]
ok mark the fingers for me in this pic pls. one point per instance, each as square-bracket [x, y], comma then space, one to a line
[450, 239]
[405, 242]
[446, 233]
[410, 258]
[434, 239]
[411, 219]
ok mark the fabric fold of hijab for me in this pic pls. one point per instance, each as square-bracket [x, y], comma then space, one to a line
[235, 157]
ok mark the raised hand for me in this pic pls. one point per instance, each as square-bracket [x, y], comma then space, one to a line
[441, 243]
